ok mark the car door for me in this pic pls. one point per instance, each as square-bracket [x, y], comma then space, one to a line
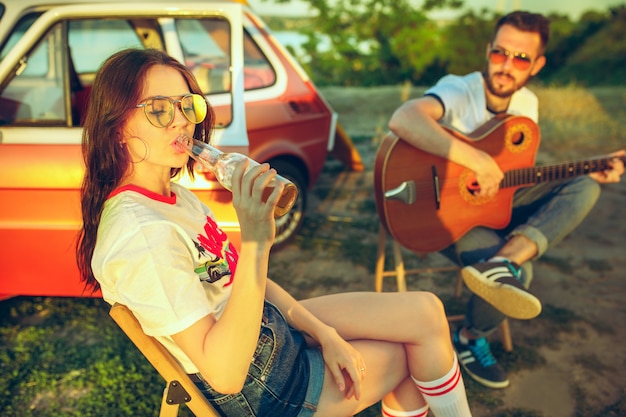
[45, 73]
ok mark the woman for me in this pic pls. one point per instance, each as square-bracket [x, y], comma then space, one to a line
[151, 245]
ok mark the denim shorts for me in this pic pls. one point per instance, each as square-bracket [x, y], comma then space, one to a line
[284, 379]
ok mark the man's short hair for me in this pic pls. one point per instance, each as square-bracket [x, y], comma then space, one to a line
[527, 22]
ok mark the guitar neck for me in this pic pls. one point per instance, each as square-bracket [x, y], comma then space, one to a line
[537, 174]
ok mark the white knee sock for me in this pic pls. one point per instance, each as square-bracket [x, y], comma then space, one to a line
[446, 395]
[421, 412]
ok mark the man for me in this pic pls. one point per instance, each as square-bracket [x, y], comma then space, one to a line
[497, 263]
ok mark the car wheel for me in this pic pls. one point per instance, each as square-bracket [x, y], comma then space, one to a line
[288, 225]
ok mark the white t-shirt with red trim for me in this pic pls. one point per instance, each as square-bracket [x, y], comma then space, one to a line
[466, 105]
[166, 259]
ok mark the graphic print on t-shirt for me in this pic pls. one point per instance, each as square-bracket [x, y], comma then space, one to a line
[220, 253]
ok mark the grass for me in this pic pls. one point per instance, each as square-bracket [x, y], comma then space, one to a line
[66, 357]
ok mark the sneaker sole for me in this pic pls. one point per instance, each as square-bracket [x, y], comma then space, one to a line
[512, 302]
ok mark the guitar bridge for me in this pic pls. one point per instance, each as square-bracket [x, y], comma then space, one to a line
[404, 192]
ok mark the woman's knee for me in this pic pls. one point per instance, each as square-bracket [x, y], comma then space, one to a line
[430, 312]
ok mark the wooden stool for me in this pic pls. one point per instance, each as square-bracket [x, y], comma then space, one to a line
[179, 388]
[400, 273]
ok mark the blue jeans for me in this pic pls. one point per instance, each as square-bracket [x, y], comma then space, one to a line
[284, 379]
[545, 214]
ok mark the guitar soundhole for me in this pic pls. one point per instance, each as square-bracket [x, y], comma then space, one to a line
[518, 138]
[473, 187]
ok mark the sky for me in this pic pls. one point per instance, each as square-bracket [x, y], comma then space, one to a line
[574, 8]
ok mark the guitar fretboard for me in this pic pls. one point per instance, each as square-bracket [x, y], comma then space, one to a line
[537, 174]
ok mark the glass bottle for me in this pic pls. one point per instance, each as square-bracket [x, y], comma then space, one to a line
[222, 164]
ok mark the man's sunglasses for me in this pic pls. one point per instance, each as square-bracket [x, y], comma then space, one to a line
[521, 61]
[160, 110]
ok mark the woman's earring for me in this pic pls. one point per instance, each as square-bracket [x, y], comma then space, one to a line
[146, 149]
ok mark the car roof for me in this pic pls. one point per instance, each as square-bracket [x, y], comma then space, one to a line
[14, 9]
[24, 4]
[17, 6]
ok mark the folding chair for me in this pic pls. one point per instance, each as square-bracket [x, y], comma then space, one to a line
[400, 273]
[179, 388]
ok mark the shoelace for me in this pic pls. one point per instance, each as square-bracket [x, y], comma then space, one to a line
[516, 272]
[480, 349]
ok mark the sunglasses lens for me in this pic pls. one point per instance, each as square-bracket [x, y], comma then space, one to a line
[521, 63]
[159, 111]
[496, 56]
[194, 107]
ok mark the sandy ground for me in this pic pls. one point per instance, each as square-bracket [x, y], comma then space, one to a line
[568, 362]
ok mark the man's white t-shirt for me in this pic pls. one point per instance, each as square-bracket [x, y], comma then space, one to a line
[463, 98]
[166, 259]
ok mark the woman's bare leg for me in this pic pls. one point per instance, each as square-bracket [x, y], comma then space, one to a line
[413, 322]
[404, 397]
[415, 319]
[386, 373]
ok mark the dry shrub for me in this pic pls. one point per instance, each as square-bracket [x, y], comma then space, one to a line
[575, 122]
[581, 122]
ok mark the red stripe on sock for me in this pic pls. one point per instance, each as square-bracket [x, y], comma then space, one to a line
[424, 414]
[444, 388]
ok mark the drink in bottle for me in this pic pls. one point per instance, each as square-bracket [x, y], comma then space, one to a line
[222, 164]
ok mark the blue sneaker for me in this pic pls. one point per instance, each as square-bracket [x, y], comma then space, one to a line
[498, 283]
[479, 363]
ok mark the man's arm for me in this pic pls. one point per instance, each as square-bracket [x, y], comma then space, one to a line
[416, 121]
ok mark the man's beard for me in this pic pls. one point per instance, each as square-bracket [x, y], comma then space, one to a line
[500, 93]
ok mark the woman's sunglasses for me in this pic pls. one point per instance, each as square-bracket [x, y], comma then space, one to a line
[521, 61]
[160, 110]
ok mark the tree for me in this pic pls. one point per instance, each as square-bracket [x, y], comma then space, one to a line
[384, 42]
[598, 53]
[373, 42]
[465, 42]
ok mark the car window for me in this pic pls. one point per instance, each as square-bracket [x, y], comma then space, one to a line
[258, 72]
[205, 44]
[92, 41]
[36, 93]
[79, 47]
[17, 33]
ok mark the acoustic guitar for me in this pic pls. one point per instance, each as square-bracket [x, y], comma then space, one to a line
[427, 203]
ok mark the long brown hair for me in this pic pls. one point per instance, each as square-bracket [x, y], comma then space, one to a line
[115, 93]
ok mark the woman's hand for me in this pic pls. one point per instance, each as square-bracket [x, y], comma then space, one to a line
[254, 212]
[345, 363]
